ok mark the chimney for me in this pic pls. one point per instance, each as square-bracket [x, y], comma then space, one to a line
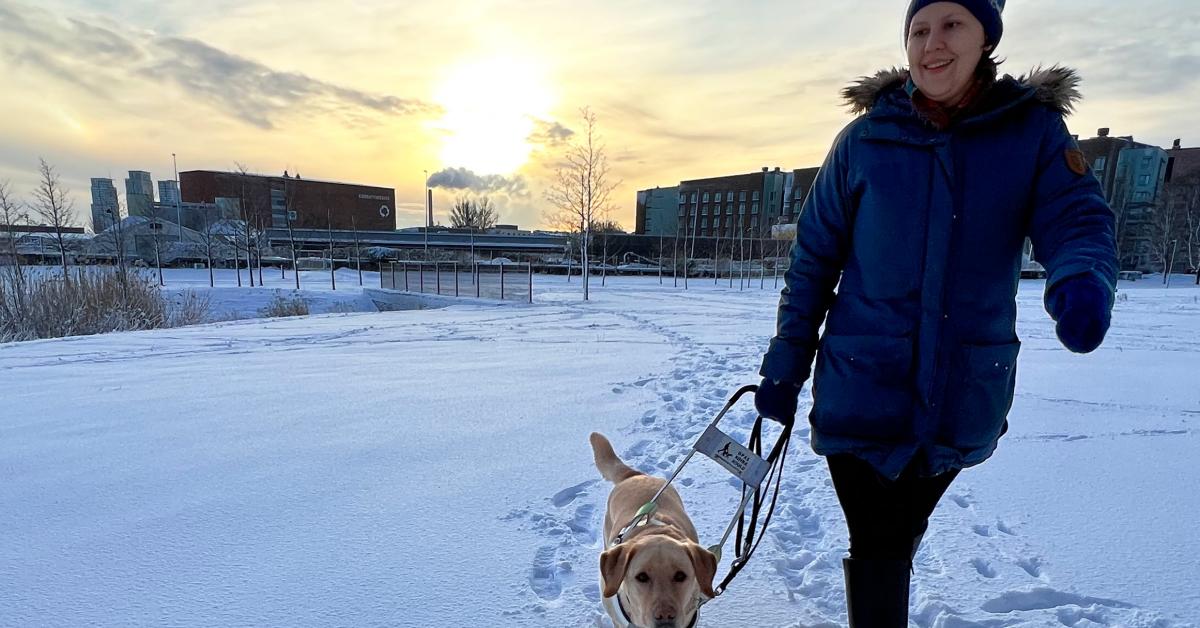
[1176, 145]
[765, 168]
[1102, 132]
[776, 168]
[429, 205]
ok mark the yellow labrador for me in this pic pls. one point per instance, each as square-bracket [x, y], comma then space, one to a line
[657, 574]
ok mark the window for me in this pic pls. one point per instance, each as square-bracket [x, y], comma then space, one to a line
[683, 197]
[754, 221]
[754, 208]
[1100, 162]
[741, 208]
[704, 209]
[706, 197]
[729, 195]
[681, 212]
[742, 195]
[716, 222]
[704, 224]
[1141, 196]
[1144, 179]
[755, 195]
[729, 209]
[693, 197]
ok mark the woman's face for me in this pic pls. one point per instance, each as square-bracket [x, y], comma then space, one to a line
[945, 44]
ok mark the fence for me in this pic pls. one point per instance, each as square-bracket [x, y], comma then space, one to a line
[505, 282]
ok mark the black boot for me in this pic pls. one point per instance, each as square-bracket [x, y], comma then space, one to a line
[877, 592]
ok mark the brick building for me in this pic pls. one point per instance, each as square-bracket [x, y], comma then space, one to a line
[308, 203]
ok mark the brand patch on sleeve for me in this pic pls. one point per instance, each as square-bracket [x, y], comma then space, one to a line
[1076, 161]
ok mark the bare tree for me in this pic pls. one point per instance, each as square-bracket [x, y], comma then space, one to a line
[157, 217]
[1166, 229]
[581, 190]
[54, 206]
[329, 230]
[477, 214]
[208, 239]
[11, 215]
[1183, 196]
[357, 250]
[291, 203]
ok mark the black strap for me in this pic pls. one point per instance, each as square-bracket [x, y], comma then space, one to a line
[745, 541]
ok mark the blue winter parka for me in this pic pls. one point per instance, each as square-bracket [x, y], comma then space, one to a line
[921, 232]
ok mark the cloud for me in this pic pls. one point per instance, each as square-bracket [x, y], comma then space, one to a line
[464, 179]
[100, 59]
[550, 133]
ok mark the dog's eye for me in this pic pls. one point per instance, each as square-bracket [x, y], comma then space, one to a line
[642, 577]
[680, 576]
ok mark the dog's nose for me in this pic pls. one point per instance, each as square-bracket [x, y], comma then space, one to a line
[664, 618]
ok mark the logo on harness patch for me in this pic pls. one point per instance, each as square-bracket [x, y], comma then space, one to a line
[1076, 161]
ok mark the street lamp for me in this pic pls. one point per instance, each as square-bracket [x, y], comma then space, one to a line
[178, 198]
[428, 212]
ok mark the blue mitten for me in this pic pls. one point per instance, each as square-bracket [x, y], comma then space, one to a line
[776, 400]
[1082, 307]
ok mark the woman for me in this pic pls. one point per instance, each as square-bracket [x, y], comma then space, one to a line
[920, 211]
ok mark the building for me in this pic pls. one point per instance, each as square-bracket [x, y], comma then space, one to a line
[1132, 176]
[139, 193]
[104, 204]
[1182, 198]
[656, 209]
[305, 203]
[194, 216]
[796, 188]
[168, 192]
[741, 205]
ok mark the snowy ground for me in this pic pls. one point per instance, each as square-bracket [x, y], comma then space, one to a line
[431, 468]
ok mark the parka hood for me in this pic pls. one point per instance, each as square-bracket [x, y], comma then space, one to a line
[1056, 87]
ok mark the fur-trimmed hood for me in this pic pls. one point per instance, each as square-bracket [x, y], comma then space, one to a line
[1056, 87]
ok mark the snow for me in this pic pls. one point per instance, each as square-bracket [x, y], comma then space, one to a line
[431, 467]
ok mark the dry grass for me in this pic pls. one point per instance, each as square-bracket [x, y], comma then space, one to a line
[92, 301]
[283, 306]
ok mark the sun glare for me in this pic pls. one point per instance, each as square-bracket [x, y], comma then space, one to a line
[490, 106]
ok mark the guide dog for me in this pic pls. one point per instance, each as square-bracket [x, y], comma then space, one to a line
[656, 575]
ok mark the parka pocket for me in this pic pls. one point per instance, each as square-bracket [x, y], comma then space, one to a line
[863, 387]
[979, 394]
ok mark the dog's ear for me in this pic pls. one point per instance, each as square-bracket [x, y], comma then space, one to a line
[613, 563]
[705, 565]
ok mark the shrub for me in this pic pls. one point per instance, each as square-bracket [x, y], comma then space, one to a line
[282, 306]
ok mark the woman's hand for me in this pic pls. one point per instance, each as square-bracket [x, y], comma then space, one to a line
[1081, 307]
[776, 400]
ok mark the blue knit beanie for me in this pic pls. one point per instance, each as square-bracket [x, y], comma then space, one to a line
[986, 11]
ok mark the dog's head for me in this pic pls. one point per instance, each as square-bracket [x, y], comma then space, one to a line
[663, 578]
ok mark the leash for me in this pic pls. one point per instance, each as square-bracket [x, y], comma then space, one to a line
[748, 464]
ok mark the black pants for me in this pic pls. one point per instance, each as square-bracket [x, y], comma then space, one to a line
[886, 518]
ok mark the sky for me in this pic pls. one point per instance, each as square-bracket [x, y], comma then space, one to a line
[484, 96]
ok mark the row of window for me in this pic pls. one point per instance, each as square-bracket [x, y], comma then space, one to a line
[716, 196]
[729, 224]
[717, 210]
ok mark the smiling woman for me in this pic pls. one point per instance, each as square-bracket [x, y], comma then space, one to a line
[490, 106]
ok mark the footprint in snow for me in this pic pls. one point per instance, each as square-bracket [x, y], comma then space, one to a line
[983, 568]
[568, 495]
[1031, 565]
[548, 575]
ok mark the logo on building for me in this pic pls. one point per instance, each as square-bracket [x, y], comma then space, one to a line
[384, 211]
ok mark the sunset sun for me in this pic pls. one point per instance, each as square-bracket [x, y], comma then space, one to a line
[490, 108]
